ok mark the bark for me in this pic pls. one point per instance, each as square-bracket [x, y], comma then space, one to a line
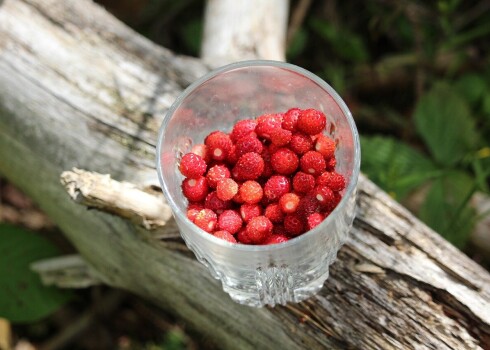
[79, 89]
[244, 29]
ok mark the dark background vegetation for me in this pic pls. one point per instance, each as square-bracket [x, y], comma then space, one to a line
[416, 76]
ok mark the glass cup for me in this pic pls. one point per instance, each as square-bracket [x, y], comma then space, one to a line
[258, 275]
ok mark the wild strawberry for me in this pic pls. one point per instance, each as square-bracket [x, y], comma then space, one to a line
[230, 221]
[216, 173]
[325, 146]
[311, 121]
[195, 190]
[314, 220]
[280, 136]
[192, 166]
[242, 236]
[334, 180]
[324, 195]
[331, 163]
[289, 202]
[248, 143]
[266, 124]
[249, 211]
[195, 205]
[219, 145]
[232, 157]
[225, 235]
[202, 151]
[192, 213]
[274, 239]
[312, 163]
[294, 225]
[206, 219]
[279, 230]
[251, 192]
[300, 143]
[268, 171]
[259, 229]
[274, 213]
[214, 203]
[276, 186]
[290, 119]
[284, 161]
[242, 128]
[226, 189]
[238, 198]
[303, 182]
[248, 167]
[308, 205]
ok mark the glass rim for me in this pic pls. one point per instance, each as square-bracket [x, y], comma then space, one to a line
[293, 241]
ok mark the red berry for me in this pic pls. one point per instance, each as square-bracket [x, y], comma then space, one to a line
[195, 190]
[284, 161]
[202, 151]
[226, 189]
[238, 198]
[300, 143]
[192, 166]
[248, 167]
[274, 213]
[331, 163]
[192, 213]
[214, 203]
[195, 205]
[325, 146]
[280, 137]
[324, 195]
[227, 236]
[242, 128]
[274, 239]
[232, 157]
[314, 220]
[219, 145]
[308, 205]
[312, 163]
[259, 229]
[303, 182]
[311, 121]
[268, 171]
[230, 221]
[294, 225]
[279, 230]
[242, 236]
[289, 203]
[251, 192]
[276, 186]
[249, 211]
[206, 219]
[248, 143]
[290, 119]
[334, 180]
[267, 123]
[216, 173]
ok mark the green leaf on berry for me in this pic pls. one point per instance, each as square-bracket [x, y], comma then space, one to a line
[443, 119]
[394, 165]
[446, 208]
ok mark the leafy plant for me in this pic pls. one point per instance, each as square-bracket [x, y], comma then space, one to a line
[23, 298]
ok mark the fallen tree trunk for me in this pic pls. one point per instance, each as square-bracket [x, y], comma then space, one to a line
[79, 89]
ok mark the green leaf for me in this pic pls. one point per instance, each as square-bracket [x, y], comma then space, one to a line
[394, 165]
[446, 208]
[472, 87]
[346, 44]
[443, 119]
[22, 296]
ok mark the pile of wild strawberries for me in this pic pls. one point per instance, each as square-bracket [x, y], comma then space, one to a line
[270, 179]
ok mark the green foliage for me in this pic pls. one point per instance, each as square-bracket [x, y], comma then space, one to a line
[22, 296]
[192, 35]
[174, 340]
[446, 207]
[394, 165]
[443, 120]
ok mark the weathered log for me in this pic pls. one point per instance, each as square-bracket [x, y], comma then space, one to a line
[79, 89]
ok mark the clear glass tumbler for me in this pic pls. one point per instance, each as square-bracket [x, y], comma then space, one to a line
[258, 275]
